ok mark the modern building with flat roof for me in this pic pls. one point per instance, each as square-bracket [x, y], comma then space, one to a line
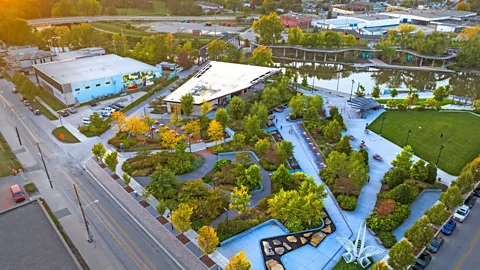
[416, 16]
[357, 22]
[30, 240]
[217, 83]
[81, 80]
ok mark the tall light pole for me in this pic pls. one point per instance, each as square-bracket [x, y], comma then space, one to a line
[351, 91]
[438, 158]
[381, 127]
[408, 136]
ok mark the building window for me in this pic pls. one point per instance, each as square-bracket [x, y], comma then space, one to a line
[107, 83]
[77, 89]
[98, 85]
[87, 87]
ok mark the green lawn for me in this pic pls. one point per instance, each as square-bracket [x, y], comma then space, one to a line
[53, 102]
[69, 137]
[159, 9]
[460, 135]
[46, 112]
[420, 101]
[114, 28]
[7, 159]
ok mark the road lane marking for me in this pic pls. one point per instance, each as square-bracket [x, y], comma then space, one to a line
[472, 244]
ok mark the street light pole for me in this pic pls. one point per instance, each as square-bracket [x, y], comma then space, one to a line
[90, 237]
[351, 91]
[408, 136]
[44, 166]
[381, 127]
[438, 158]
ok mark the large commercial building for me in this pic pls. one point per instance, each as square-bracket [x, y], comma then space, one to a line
[425, 17]
[357, 22]
[217, 83]
[81, 80]
[295, 20]
[22, 58]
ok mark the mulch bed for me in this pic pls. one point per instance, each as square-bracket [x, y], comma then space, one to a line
[183, 239]
[207, 261]
[128, 189]
[162, 220]
[102, 165]
[144, 203]
[115, 176]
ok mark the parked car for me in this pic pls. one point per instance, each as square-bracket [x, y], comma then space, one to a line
[17, 193]
[86, 121]
[476, 192]
[72, 110]
[22, 98]
[105, 114]
[31, 108]
[436, 244]
[115, 107]
[63, 113]
[118, 104]
[93, 103]
[461, 213]
[26, 102]
[14, 90]
[37, 112]
[109, 109]
[449, 227]
[470, 201]
[422, 261]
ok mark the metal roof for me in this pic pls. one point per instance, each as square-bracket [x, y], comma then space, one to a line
[92, 68]
[363, 103]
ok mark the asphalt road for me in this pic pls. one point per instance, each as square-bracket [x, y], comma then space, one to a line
[461, 250]
[131, 247]
[66, 20]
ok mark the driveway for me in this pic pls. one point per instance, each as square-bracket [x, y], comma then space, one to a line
[6, 198]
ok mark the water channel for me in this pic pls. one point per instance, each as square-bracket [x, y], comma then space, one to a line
[339, 77]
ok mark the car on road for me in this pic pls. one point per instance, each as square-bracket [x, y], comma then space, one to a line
[72, 110]
[86, 121]
[470, 201]
[436, 244]
[449, 227]
[14, 90]
[118, 104]
[461, 213]
[422, 261]
[17, 193]
[476, 192]
[63, 113]
[26, 102]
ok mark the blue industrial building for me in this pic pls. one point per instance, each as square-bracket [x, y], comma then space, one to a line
[81, 80]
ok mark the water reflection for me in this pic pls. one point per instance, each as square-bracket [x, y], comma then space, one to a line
[340, 77]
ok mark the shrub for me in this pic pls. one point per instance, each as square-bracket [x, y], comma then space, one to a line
[388, 222]
[221, 163]
[326, 176]
[207, 179]
[418, 184]
[388, 238]
[402, 107]
[348, 203]
[395, 177]
[30, 187]
[420, 108]
[267, 165]
[404, 193]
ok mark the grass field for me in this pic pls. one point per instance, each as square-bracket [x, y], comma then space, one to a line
[69, 137]
[54, 103]
[7, 159]
[420, 101]
[114, 28]
[460, 135]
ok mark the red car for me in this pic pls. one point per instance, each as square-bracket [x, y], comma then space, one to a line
[17, 193]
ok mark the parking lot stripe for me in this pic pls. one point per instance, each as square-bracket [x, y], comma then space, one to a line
[468, 251]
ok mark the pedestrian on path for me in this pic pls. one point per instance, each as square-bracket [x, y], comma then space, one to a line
[281, 127]
[276, 120]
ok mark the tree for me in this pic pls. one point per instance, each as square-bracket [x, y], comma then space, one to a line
[343, 146]
[394, 93]
[207, 239]
[420, 234]
[121, 120]
[296, 105]
[99, 151]
[261, 146]
[285, 150]
[395, 177]
[452, 197]
[236, 109]
[381, 265]
[64, 8]
[111, 160]
[465, 181]
[360, 92]
[215, 131]
[295, 36]
[135, 125]
[332, 131]
[401, 255]
[239, 140]
[441, 93]
[126, 179]
[89, 7]
[260, 110]
[162, 184]
[376, 91]
[404, 159]
[464, 6]
[350, 40]
[337, 164]
[181, 217]
[193, 127]
[262, 56]
[238, 262]
[271, 96]
[205, 107]
[239, 198]
[170, 140]
[315, 102]
[281, 179]
[252, 178]
[176, 119]
[268, 28]
[187, 104]
[268, 6]
[311, 118]
[404, 193]
[419, 171]
[437, 214]
[387, 51]
[221, 115]
[252, 127]
[431, 173]
[216, 49]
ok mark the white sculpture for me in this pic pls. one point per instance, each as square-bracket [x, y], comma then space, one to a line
[356, 251]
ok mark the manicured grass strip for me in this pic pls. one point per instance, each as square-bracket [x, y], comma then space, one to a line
[69, 137]
[51, 101]
[420, 101]
[47, 113]
[460, 135]
[7, 158]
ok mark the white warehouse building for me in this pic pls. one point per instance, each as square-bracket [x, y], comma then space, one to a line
[357, 22]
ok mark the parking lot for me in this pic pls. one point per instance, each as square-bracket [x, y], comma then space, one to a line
[6, 198]
[178, 27]
[460, 250]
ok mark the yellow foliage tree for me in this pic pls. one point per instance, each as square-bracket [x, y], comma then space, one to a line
[175, 120]
[464, 6]
[207, 239]
[121, 119]
[206, 107]
[135, 125]
[170, 139]
[405, 28]
[193, 127]
[239, 198]
[181, 217]
[470, 32]
[148, 120]
[239, 262]
[215, 130]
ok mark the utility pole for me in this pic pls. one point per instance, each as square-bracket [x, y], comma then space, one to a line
[16, 128]
[44, 166]
[90, 238]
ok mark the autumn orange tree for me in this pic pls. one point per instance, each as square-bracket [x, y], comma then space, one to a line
[135, 125]
[121, 119]
[170, 139]
[207, 239]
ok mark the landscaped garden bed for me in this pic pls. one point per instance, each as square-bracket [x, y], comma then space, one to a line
[64, 135]
[144, 165]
